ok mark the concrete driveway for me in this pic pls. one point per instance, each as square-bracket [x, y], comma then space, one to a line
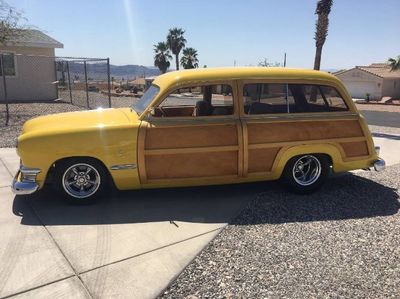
[132, 244]
[129, 245]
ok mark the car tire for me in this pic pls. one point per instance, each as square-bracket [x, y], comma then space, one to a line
[80, 181]
[305, 174]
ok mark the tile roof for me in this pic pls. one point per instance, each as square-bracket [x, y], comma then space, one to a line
[381, 70]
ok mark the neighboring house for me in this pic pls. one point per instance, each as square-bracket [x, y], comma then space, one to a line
[377, 80]
[139, 83]
[149, 81]
[29, 66]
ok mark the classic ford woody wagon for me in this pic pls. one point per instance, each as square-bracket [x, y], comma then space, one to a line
[202, 127]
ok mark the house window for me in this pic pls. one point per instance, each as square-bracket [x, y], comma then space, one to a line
[9, 64]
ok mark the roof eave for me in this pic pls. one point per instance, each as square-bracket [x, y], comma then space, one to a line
[35, 45]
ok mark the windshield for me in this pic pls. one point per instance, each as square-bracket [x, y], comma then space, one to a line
[146, 99]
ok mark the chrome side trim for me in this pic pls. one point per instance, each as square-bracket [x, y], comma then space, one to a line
[123, 166]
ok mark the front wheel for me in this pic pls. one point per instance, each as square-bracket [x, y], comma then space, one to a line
[80, 181]
[306, 173]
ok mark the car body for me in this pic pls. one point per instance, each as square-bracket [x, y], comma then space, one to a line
[225, 125]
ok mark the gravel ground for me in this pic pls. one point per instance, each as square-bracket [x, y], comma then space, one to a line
[341, 242]
[19, 113]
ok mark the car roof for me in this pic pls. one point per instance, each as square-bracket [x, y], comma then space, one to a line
[242, 73]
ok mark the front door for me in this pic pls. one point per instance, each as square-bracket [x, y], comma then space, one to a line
[194, 134]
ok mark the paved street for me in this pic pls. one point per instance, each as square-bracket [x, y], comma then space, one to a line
[380, 118]
[132, 244]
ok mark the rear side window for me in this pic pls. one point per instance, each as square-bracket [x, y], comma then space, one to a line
[262, 98]
[270, 98]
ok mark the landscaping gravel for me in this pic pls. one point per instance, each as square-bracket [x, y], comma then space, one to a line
[20, 113]
[341, 242]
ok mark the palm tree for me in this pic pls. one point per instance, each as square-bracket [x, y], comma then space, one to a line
[176, 42]
[394, 63]
[162, 56]
[189, 59]
[321, 30]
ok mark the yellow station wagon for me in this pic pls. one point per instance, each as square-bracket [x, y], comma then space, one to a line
[202, 127]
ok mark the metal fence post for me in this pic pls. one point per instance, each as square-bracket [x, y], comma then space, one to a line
[69, 82]
[5, 88]
[108, 82]
[86, 83]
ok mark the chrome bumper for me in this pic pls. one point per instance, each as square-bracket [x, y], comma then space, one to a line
[25, 181]
[379, 165]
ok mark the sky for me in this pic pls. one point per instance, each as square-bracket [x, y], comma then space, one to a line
[224, 32]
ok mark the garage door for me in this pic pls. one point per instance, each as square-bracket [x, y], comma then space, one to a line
[359, 90]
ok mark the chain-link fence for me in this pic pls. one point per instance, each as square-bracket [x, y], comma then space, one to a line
[84, 82]
[37, 85]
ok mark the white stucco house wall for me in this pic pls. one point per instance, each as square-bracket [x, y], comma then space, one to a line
[29, 67]
[377, 80]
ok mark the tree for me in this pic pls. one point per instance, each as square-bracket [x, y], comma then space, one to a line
[162, 56]
[10, 23]
[265, 63]
[189, 59]
[321, 29]
[176, 42]
[394, 63]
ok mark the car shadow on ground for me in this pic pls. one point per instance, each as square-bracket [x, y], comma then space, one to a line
[343, 197]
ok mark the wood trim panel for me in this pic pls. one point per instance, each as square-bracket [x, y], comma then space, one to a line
[289, 143]
[240, 148]
[160, 137]
[245, 148]
[302, 131]
[141, 153]
[182, 166]
[355, 149]
[189, 150]
[261, 160]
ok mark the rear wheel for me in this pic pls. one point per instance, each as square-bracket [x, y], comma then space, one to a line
[80, 181]
[306, 173]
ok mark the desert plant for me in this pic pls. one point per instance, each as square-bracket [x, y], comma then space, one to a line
[176, 42]
[394, 63]
[189, 59]
[162, 56]
[321, 29]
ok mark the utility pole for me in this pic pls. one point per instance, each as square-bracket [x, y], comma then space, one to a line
[284, 60]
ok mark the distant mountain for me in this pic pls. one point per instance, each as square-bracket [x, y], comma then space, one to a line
[98, 71]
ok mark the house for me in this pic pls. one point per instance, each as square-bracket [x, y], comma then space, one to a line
[149, 81]
[376, 80]
[29, 66]
[139, 83]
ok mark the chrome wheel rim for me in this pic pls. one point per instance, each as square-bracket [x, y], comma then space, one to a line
[306, 170]
[81, 180]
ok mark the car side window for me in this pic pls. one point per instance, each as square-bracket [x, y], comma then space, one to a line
[263, 98]
[197, 100]
[316, 98]
[272, 98]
